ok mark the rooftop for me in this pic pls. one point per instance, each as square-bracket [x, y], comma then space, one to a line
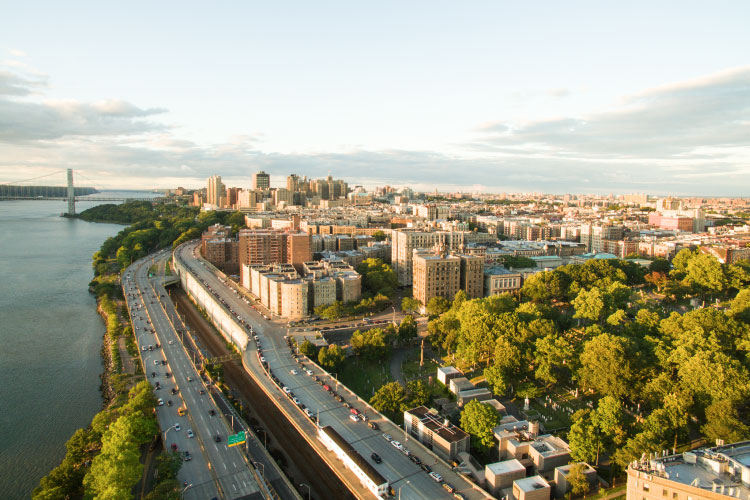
[434, 423]
[499, 468]
[532, 483]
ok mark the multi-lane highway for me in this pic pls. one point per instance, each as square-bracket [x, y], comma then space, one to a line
[404, 475]
[189, 419]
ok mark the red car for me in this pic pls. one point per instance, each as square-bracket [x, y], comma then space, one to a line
[174, 446]
[326, 387]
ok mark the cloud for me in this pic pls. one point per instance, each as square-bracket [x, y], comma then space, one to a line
[670, 121]
[16, 53]
[25, 120]
[684, 138]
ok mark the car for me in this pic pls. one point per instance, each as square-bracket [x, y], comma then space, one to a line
[169, 402]
[286, 389]
[338, 398]
[308, 412]
[177, 427]
[326, 387]
[448, 487]
[396, 445]
[190, 433]
[315, 378]
[262, 359]
[153, 374]
[353, 410]
[156, 361]
[217, 438]
[143, 348]
[458, 496]
[171, 342]
[212, 412]
[415, 459]
[190, 379]
[168, 374]
[425, 467]
[187, 456]
[174, 390]
[437, 477]
[376, 458]
[293, 371]
[174, 446]
[387, 437]
[160, 402]
[296, 401]
[308, 371]
[201, 391]
[347, 405]
[354, 418]
[150, 348]
[372, 425]
[163, 361]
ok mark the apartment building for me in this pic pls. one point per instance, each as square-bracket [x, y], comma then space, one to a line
[405, 241]
[261, 246]
[717, 473]
[261, 180]
[436, 274]
[472, 275]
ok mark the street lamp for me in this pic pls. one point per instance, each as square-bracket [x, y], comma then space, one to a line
[399, 489]
[308, 489]
[394, 315]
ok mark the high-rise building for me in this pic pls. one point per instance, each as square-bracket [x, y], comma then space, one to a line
[404, 241]
[261, 246]
[298, 249]
[214, 191]
[436, 274]
[261, 180]
[472, 275]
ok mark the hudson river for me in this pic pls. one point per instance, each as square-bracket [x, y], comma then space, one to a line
[50, 336]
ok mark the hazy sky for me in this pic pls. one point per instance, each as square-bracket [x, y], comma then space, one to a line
[498, 96]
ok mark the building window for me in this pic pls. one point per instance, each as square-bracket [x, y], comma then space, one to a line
[646, 487]
[663, 493]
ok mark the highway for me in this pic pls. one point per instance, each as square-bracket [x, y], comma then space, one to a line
[215, 470]
[405, 476]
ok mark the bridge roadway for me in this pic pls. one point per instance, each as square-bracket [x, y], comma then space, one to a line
[215, 471]
[405, 477]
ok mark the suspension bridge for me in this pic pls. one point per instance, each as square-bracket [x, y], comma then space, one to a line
[23, 190]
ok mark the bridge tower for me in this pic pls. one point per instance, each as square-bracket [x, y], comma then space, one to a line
[71, 194]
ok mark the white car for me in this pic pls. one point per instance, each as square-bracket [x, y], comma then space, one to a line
[296, 401]
[396, 444]
[161, 402]
[293, 371]
[308, 412]
[287, 390]
[156, 361]
[353, 417]
[177, 427]
[262, 359]
[143, 348]
[437, 477]
[309, 372]
[190, 433]
[171, 342]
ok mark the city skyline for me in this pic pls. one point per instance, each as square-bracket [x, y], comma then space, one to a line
[582, 99]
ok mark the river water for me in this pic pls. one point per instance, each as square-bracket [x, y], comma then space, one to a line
[50, 336]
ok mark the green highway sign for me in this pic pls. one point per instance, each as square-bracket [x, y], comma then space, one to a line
[236, 439]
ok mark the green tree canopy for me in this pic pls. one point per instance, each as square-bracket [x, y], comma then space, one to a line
[478, 420]
[390, 397]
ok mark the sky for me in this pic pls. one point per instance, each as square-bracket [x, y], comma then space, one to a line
[496, 96]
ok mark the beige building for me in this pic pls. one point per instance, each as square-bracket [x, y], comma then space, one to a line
[472, 276]
[521, 440]
[261, 180]
[405, 241]
[498, 279]
[502, 474]
[718, 473]
[214, 191]
[443, 438]
[261, 246]
[323, 291]
[531, 488]
[435, 275]
[294, 294]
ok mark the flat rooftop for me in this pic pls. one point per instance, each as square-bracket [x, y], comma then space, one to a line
[500, 468]
[532, 483]
[437, 425]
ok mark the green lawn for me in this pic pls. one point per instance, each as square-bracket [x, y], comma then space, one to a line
[364, 377]
[411, 369]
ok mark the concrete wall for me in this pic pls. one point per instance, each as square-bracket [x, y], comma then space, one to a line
[220, 317]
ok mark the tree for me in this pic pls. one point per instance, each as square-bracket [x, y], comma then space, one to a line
[390, 397]
[658, 279]
[660, 266]
[331, 312]
[379, 235]
[372, 344]
[407, 329]
[410, 305]
[723, 422]
[478, 420]
[307, 348]
[497, 380]
[705, 272]
[377, 277]
[583, 437]
[579, 485]
[552, 358]
[682, 259]
[437, 306]
[589, 304]
[331, 357]
[739, 308]
[545, 286]
[605, 365]
[418, 393]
